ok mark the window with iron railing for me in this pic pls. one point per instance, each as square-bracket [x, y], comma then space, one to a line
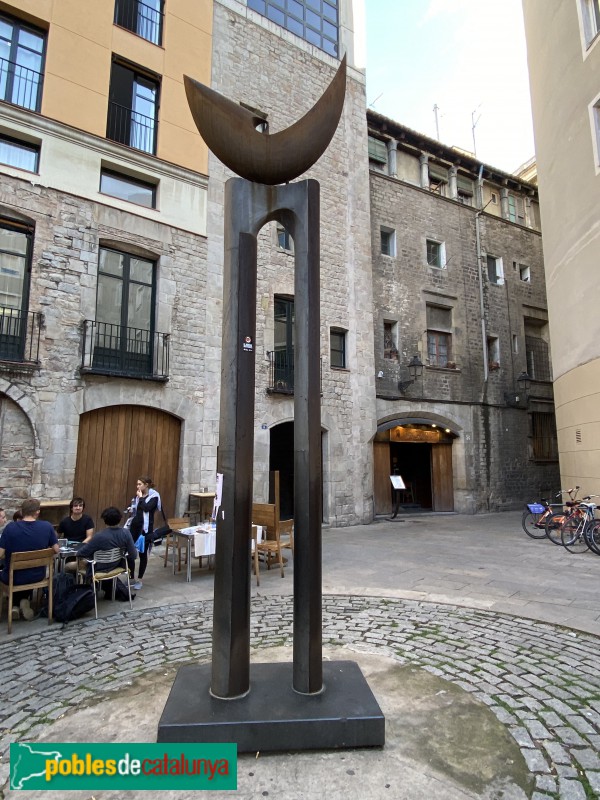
[132, 109]
[19, 329]
[22, 50]
[143, 17]
[538, 358]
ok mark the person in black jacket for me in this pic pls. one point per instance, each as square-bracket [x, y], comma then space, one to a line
[144, 506]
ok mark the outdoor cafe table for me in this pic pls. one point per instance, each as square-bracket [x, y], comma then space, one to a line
[68, 550]
[204, 538]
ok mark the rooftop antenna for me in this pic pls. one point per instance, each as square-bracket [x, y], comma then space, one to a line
[436, 108]
[473, 124]
[376, 99]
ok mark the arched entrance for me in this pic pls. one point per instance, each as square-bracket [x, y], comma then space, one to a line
[420, 451]
[17, 452]
[118, 444]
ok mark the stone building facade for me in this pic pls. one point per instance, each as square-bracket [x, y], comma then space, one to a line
[458, 281]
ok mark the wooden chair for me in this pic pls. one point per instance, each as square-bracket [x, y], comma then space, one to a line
[27, 560]
[279, 533]
[109, 557]
[173, 542]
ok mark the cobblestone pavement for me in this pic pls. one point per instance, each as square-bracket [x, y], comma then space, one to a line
[540, 680]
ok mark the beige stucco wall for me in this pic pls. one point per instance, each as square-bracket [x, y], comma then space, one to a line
[81, 44]
[564, 84]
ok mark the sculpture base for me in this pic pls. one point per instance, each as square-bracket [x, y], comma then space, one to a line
[272, 716]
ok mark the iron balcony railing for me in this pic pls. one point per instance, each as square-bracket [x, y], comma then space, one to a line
[20, 335]
[281, 372]
[129, 352]
[140, 18]
[131, 128]
[20, 85]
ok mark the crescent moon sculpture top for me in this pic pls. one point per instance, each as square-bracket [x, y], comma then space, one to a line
[229, 131]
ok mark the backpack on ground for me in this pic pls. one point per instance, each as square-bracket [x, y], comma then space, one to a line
[69, 599]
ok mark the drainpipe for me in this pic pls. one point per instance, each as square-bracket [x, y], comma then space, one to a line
[480, 275]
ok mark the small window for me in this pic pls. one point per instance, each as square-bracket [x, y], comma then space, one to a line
[284, 240]
[495, 270]
[377, 152]
[524, 273]
[439, 348]
[126, 188]
[595, 110]
[494, 198]
[436, 254]
[537, 356]
[388, 241]
[515, 343]
[493, 352]
[516, 209]
[543, 437]
[390, 340]
[21, 155]
[144, 18]
[337, 340]
[590, 14]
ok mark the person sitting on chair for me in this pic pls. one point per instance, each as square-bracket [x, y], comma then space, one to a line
[77, 527]
[20, 536]
[108, 538]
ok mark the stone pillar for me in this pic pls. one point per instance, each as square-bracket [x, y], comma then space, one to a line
[504, 210]
[392, 148]
[452, 184]
[424, 162]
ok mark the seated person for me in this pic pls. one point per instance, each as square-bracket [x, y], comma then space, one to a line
[77, 527]
[20, 536]
[111, 536]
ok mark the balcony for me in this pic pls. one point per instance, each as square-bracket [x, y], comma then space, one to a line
[19, 337]
[131, 128]
[140, 18]
[20, 85]
[126, 352]
[281, 372]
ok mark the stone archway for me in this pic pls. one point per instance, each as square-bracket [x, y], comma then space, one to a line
[17, 454]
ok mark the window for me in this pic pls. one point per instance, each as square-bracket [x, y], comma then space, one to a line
[516, 209]
[493, 352]
[543, 437]
[143, 17]
[524, 273]
[495, 270]
[284, 240]
[595, 111]
[388, 241]
[377, 153]
[15, 270]
[494, 198]
[132, 108]
[315, 21]
[21, 63]
[537, 357]
[435, 253]
[337, 342]
[21, 155]
[438, 179]
[590, 15]
[390, 340]
[283, 353]
[439, 336]
[515, 343]
[123, 340]
[126, 188]
[465, 190]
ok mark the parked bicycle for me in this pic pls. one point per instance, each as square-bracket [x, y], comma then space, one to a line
[581, 527]
[556, 519]
[536, 514]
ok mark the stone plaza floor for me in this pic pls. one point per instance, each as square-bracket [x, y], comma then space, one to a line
[510, 622]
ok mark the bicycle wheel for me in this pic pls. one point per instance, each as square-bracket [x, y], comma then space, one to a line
[572, 535]
[554, 523]
[531, 525]
[592, 535]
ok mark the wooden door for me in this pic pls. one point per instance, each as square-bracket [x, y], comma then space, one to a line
[119, 444]
[382, 488]
[441, 477]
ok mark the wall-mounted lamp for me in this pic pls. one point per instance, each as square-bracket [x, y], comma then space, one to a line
[415, 368]
[380, 374]
[518, 398]
[523, 382]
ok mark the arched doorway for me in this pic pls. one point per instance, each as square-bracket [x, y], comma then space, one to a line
[420, 451]
[17, 453]
[118, 444]
[281, 459]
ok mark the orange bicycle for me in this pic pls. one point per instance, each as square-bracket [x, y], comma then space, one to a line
[536, 515]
